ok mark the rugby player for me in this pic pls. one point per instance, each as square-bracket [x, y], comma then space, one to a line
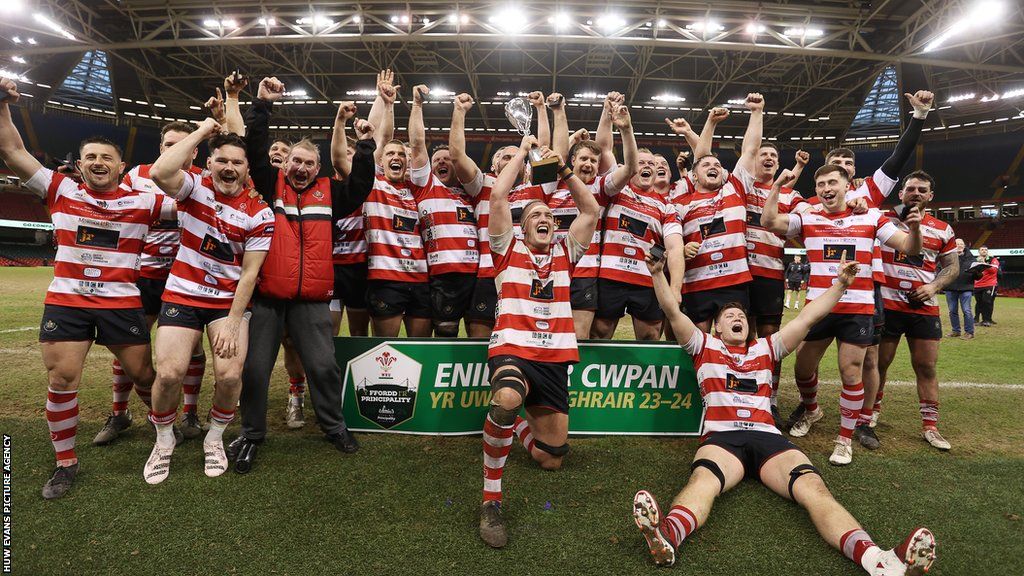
[99, 227]
[534, 341]
[829, 235]
[734, 371]
[911, 308]
[224, 241]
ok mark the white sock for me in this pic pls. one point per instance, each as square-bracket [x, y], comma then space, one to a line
[296, 400]
[216, 432]
[165, 436]
[870, 558]
[787, 300]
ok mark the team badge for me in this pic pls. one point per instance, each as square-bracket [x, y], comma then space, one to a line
[318, 195]
[49, 326]
[171, 312]
[135, 330]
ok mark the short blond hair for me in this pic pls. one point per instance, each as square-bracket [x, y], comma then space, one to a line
[307, 144]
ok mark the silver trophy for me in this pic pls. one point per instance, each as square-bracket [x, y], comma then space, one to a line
[519, 112]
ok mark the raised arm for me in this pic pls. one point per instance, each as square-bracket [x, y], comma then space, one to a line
[339, 141]
[417, 132]
[921, 101]
[12, 149]
[680, 127]
[536, 98]
[770, 217]
[225, 341]
[802, 158]
[382, 112]
[668, 298]
[752, 137]
[908, 242]
[500, 210]
[233, 86]
[465, 169]
[604, 137]
[166, 172]
[583, 226]
[630, 164]
[794, 331]
[560, 129]
[707, 134]
[257, 141]
[349, 195]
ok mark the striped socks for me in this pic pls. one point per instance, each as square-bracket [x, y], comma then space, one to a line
[193, 382]
[679, 524]
[857, 546]
[522, 431]
[497, 445]
[809, 392]
[850, 403]
[62, 420]
[122, 386]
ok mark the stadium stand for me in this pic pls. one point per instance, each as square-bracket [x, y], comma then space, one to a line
[25, 255]
[18, 204]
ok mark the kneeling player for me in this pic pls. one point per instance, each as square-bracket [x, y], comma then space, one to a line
[735, 375]
[534, 340]
[224, 241]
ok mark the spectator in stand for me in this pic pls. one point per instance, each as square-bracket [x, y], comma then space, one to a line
[987, 273]
[959, 292]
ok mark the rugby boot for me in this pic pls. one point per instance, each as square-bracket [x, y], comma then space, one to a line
[647, 516]
[865, 434]
[914, 557]
[60, 482]
[215, 460]
[112, 428]
[935, 439]
[293, 416]
[842, 454]
[190, 426]
[158, 466]
[803, 424]
[492, 524]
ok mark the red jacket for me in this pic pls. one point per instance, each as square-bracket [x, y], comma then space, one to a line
[299, 265]
[989, 276]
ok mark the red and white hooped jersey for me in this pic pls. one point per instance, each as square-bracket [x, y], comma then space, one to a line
[350, 239]
[634, 221]
[904, 273]
[216, 232]
[736, 382]
[564, 209]
[877, 270]
[518, 198]
[875, 189]
[449, 228]
[534, 318]
[828, 237]
[99, 238]
[393, 229]
[765, 249]
[718, 221]
[164, 235]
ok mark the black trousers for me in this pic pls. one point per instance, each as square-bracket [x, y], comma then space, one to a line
[986, 299]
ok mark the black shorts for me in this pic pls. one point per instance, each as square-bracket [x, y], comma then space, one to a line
[583, 293]
[450, 296]
[350, 285]
[850, 328]
[152, 292]
[194, 317]
[919, 326]
[615, 299]
[107, 327]
[794, 285]
[548, 382]
[705, 304]
[387, 298]
[483, 305]
[752, 447]
[766, 295]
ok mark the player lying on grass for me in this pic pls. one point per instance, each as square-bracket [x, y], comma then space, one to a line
[734, 371]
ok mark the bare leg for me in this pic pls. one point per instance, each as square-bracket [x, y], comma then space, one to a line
[479, 328]
[418, 327]
[583, 320]
[647, 330]
[358, 321]
[551, 428]
[386, 326]
[604, 328]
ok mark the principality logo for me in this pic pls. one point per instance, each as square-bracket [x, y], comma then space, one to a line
[385, 383]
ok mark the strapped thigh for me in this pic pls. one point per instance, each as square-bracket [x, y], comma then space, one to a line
[506, 379]
[713, 467]
[557, 451]
[797, 472]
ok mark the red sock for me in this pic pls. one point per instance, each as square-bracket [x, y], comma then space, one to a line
[929, 415]
[679, 524]
[122, 389]
[809, 393]
[878, 397]
[850, 402]
[865, 415]
[193, 382]
[297, 386]
[221, 416]
[855, 543]
[497, 445]
[166, 418]
[522, 431]
[145, 394]
[62, 420]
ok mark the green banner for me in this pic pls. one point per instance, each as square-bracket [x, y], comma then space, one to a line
[435, 386]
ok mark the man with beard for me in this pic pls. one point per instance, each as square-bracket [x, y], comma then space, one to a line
[224, 242]
[397, 265]
[831, 235]
[100, 228]
[911, 308]
[449, 230]
[158, 252]
[714, 219]
[534, 343]
[297, 279]
[586, 163]
[734, 369]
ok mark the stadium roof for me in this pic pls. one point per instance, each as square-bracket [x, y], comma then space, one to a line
[815, 60]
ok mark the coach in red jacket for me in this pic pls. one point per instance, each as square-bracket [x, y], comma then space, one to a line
[296, 283]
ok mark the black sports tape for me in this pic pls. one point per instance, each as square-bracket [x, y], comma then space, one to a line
[713, 467]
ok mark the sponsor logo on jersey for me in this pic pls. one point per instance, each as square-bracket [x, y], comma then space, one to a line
[542, 290]
[838, 252]
[216, 249]
[906, 260]
[716, 226]
[464, 215]
[403, 223]
[90, 236]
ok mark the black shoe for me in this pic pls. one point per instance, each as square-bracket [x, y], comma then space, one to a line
[777, 417]
[985, 324]
[993, 322]
[60, 482]
[344, 441]
[246, 455]
[233, 448]
[794, 416]
[865, 434]
[190, 426]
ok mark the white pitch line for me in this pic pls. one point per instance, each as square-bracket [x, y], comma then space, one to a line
[982, 385]
[25, 329]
